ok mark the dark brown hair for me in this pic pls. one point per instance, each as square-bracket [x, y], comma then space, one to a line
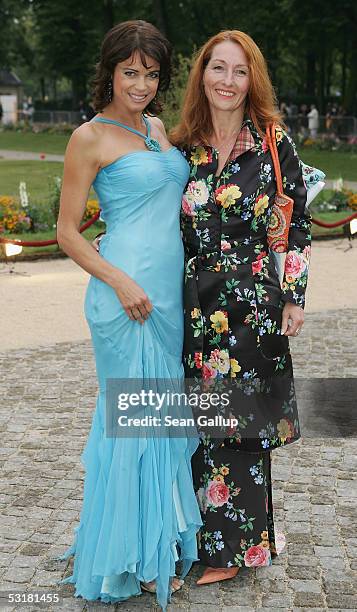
[118, 45]
[261, 106]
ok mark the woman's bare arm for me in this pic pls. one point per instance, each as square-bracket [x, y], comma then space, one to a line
[80, 168]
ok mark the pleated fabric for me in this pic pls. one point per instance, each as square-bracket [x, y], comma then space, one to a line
[139, 514]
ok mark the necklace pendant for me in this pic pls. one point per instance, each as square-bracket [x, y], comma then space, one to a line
[152, 144]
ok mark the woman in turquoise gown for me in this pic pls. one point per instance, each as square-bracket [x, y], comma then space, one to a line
[139, 513]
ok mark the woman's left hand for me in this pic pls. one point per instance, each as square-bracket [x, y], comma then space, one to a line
[292, 319]
[96, 242]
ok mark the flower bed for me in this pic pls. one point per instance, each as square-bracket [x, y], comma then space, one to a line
[19, 215]
[39, 128]
[13, 218]
[336, 200]
[327, 142]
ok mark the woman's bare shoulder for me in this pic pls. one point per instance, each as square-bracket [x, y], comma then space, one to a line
[86, 134]
[84, 143]
[158, 124]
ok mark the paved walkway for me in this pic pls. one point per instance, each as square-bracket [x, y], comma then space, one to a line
[29, 156]
[44, 425]
[48, 389]
[41, 292]
[25, 155]
[347, 184]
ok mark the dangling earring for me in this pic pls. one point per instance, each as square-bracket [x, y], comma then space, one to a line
[110, 90]
[157, 103]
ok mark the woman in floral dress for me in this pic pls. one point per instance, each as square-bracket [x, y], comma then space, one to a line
[238, 316]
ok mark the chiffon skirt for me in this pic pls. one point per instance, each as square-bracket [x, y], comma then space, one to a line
[139, 514]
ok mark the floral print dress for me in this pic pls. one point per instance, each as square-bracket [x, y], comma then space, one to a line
[233, 310]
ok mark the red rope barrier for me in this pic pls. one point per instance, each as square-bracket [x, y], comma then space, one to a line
[33, 243]
[41, 243]
[336, 223]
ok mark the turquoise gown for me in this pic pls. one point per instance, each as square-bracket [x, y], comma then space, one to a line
[139, 512]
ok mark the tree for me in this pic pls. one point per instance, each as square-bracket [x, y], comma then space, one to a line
[10, 14]
[310, 47]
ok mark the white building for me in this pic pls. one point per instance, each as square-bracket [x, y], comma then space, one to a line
[11, 95]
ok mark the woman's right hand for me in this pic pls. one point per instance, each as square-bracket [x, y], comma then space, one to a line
[133, 299]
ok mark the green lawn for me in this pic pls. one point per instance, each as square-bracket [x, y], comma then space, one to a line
[38, 143]
[329, 217]
[335, 165]
[37, 175]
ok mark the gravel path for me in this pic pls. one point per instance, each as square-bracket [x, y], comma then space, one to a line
[48, 389]
[51, 396]
[29, 156]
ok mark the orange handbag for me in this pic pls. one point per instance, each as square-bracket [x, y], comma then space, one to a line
[280, 219]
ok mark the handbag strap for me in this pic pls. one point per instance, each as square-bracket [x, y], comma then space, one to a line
[271, 139]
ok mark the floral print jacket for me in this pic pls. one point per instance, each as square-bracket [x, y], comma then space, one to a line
[237, 207]
[233, 298]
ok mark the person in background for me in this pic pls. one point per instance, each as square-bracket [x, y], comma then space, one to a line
[302, 122]
[328, 117]
[82, 112]
[285, 111]
[313, 121]
[30, 110]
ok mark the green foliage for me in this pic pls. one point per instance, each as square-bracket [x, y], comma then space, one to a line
[332, 144]
[55, 196]
[330, 200]
[339, 200]
[333, 200]
[311, 48]
[11, 34]
[71, 51]
[37, 128]
[174, 96]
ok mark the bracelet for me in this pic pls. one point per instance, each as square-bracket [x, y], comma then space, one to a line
[98, 238]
